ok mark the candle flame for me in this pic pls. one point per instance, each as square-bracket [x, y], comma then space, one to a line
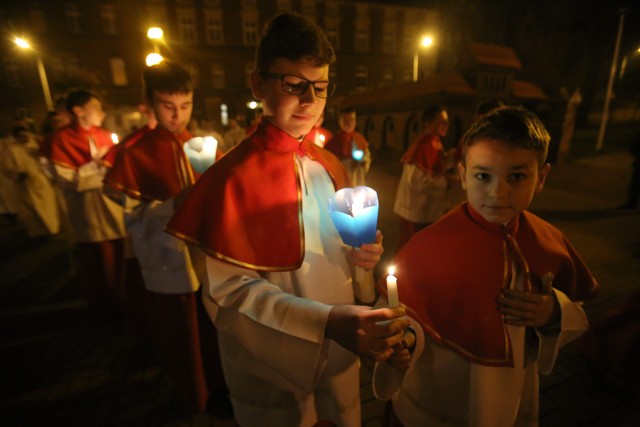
[321, 137]
[114, 138]
[358, 205]
[392, 270]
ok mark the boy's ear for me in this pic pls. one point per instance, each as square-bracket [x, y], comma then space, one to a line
[542, 176]
[77, 110]
[256, 85]
[462, 171]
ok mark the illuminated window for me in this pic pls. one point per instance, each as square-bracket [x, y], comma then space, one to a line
[108, 16]
[118, 72]
[72, 18]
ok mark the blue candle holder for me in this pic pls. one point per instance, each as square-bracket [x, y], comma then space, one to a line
[354, 212]
[201, 152]
[356, 153]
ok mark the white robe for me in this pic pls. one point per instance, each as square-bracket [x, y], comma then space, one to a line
[280, 369]
[443, 389]
[421, 197]
[36, 199]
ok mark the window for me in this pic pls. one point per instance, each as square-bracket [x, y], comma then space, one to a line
[283, 6]
[389, 37]
[214, 28]
[218, 76]
[12, 72]
[250, 29]
[387, 77]
[72, 18]
[108, 17]
[362, 77]
[118, 72]
[332, 30]
[195, 74]
[308, 9]
[36, 18]
[187, 25]
[362, 28]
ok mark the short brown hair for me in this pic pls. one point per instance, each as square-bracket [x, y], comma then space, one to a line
[167, 77]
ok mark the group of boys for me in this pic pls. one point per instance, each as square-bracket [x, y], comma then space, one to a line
[253, 235]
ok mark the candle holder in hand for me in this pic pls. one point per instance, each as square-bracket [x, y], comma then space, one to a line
[356, 153]
[354, 212]
[201, 152]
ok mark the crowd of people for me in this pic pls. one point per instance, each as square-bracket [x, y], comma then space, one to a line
[245, 292]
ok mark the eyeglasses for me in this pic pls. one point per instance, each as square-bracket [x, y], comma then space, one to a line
[295, 85]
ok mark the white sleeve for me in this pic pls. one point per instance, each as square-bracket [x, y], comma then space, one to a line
[281, 331]
[573, 323]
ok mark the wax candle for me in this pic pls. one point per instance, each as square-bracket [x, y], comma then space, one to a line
[114, 138]
[392, 289]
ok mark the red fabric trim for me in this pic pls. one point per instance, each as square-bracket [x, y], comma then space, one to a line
[70, 145]
[427, 153]
[340, 143]
[246, 209]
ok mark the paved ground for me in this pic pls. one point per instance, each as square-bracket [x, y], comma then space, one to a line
[61, 366]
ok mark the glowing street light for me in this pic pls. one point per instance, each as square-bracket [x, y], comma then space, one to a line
[425, 42]
[155, 34]
[153, 59]
[24, 44]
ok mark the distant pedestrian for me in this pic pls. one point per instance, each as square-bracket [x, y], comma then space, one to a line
[235, 134]
[351, 147]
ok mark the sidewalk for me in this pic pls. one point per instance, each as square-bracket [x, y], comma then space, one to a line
[62, 367]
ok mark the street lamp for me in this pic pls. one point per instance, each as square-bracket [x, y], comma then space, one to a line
[425, 42]
[24, 44]
[153, 59]
[155, 34]
[623, 66]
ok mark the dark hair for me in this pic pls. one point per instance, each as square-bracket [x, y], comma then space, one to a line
[515, 126]
[296, 38]
[487, 106]
[78, 98]
[166, 76]
[431, 112]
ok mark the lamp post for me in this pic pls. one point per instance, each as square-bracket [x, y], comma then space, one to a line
[23, 44]
[612, 75]
[425, 42]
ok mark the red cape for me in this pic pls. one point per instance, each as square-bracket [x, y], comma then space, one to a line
[70, 145]
[246, 208]
[154, 168]
[110, 158]
[427, 153]
[451, 273]
[340, 143]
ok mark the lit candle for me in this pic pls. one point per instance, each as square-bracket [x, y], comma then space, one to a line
[392, 289]
[201, 152]
[114, 138]
[354, 212]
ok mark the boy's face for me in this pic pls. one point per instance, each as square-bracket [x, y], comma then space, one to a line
[172, 110]
[347, 121]
[294, 114]
[500, 179]
[439, 125]
[90, 114]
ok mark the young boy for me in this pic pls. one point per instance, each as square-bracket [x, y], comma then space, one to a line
[279, 290]
[421, 196]
[492, 289]
[351, 147]
[147, 177]
[96, 222]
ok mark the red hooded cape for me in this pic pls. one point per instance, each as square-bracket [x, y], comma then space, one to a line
[70, 145]
[451, 273]
[246, 208]
[110, 158]
[340, 143]
[427, 153]
[154, 168]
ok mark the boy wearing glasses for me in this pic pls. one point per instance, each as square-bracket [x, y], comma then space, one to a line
[279, 288]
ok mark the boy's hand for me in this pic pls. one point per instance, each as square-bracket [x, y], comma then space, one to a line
[371, 333]
[531, 309]
[368, 254]
[402, 352]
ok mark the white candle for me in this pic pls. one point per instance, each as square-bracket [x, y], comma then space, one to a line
[392, 289]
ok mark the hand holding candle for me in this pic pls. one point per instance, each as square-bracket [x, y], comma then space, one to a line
[392, 289]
